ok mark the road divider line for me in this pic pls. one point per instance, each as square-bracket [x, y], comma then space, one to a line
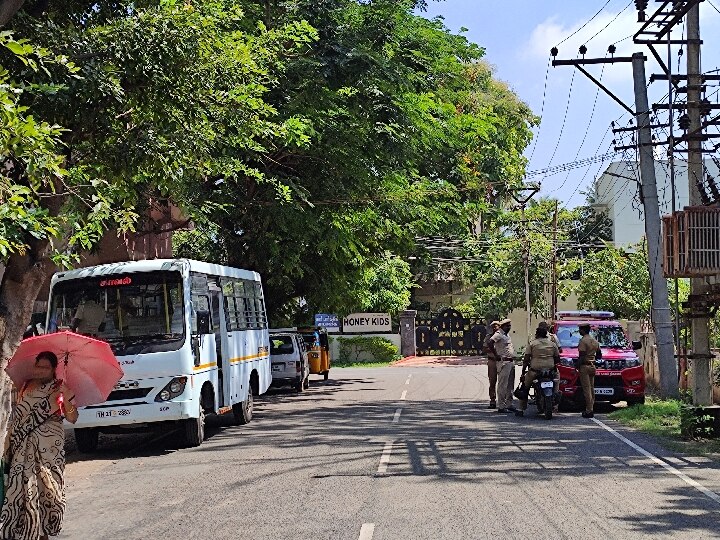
[396, 417]
[367, 531]
[684, 477]
[385, 457]
[404, 395]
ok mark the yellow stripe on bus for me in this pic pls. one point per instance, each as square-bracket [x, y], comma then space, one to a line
[205, 366]
[246, 358]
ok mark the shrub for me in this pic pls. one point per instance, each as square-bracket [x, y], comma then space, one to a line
[358, 349]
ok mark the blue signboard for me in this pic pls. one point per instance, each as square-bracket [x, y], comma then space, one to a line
[327, 320]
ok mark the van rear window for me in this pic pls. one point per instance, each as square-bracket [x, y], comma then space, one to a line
[281, 345]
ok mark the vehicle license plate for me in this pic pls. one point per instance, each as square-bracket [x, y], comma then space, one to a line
[546, 384]
[113, 413]
[277, 367]
[604, 391]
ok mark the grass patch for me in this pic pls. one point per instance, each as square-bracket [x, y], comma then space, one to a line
[663, 418]
[369, 364]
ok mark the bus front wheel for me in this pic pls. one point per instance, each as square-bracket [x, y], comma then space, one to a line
[195, 430]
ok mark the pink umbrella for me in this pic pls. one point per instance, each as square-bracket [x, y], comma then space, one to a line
[88, 366]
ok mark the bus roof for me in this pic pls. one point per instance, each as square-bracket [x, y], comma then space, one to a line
[151, 265]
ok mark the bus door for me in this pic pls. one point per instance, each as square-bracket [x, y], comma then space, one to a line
[221, 348]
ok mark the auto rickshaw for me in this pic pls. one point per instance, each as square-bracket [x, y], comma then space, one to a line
[316, 340]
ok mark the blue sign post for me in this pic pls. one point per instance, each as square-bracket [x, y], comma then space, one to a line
[328, 321]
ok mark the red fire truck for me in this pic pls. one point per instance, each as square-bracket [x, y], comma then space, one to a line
[619, 374]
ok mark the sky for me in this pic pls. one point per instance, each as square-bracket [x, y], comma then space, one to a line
[575, 116]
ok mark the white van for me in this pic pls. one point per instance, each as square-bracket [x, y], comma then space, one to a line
[289, 361]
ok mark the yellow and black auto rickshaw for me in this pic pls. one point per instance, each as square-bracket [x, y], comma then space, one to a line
[316, 341]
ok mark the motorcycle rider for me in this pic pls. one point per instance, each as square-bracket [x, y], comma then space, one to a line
[542, 353]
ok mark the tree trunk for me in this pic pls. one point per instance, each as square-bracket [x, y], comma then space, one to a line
[8, 9]
[23, 278]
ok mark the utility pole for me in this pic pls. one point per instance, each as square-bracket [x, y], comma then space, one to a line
[530, 190]
[660, 304]
[701, 357]
[554, 285]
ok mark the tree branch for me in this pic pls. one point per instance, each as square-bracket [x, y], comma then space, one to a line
[8, 9]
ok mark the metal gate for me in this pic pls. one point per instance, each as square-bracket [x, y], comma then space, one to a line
[449, 333]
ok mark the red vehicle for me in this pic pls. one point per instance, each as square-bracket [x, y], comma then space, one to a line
[619, 372]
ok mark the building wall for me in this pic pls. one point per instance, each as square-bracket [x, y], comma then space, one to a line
[619, 196]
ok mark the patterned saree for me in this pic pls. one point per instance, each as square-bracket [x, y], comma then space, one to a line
[35, 493]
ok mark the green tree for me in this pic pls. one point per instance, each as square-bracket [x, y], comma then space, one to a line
[617, 280]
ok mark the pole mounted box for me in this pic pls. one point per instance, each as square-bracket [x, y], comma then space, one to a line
[691, 243]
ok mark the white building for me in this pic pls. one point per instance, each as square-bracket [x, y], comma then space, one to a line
[617, 191]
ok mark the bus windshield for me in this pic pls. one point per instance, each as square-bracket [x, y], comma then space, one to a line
[124, 309]
[608, 336]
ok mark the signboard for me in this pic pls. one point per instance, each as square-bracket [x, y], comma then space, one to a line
[361, 323]
[328, 321]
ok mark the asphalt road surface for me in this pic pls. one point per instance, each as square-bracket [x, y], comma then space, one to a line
[391, 454]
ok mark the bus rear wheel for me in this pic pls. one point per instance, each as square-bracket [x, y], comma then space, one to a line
[243, 411]
[86, 440]
[195, 430]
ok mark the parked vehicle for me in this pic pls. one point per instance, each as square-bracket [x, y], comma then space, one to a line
[316, 340]
[191, 337]
[619, 374]
[289, 361]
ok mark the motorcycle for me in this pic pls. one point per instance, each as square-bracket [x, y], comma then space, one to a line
[543, 392]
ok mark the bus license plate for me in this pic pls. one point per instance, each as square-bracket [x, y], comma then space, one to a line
[546, 384]
[604, 391]
[113, 413]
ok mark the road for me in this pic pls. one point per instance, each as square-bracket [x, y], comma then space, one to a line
[392, 454]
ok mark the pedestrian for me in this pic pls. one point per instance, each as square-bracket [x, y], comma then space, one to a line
[588, 349]
[542, 353]
[34, 501]
[491, 364]
[502, 347]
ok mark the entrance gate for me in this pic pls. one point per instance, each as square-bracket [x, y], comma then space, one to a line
[449, 333]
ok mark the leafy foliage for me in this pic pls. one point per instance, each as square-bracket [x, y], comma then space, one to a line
[369, 349]
[617, 280]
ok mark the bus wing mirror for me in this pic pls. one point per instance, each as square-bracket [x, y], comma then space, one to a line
[636, 345]
[203, 322]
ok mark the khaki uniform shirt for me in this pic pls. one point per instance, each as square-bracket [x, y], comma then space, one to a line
[542, 352]
[486, 346]
[588, 345]
[552, 337]
[503, 345]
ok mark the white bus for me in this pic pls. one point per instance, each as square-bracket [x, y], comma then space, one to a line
[191, 337]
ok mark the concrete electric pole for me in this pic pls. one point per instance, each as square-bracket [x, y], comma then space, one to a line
[701, 356]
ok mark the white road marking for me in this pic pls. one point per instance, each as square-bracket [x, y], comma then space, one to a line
[407, 382]
[410, 376]
[396, 418]
[404, 394]
[366, 531]
[385, 457]
[685, 478]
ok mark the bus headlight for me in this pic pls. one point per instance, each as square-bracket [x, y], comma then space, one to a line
[172, 389]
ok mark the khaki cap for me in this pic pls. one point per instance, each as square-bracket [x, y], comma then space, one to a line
[505, 321]
[495, 323]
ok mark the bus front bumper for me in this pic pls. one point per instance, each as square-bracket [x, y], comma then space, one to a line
[134, 415]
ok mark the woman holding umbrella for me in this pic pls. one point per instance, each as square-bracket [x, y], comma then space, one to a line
[35, 493]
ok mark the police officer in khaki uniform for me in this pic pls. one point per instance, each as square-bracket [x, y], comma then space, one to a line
[552, 337]
[502, 347]
[492, 364]
[541, 354]
[587, 349]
